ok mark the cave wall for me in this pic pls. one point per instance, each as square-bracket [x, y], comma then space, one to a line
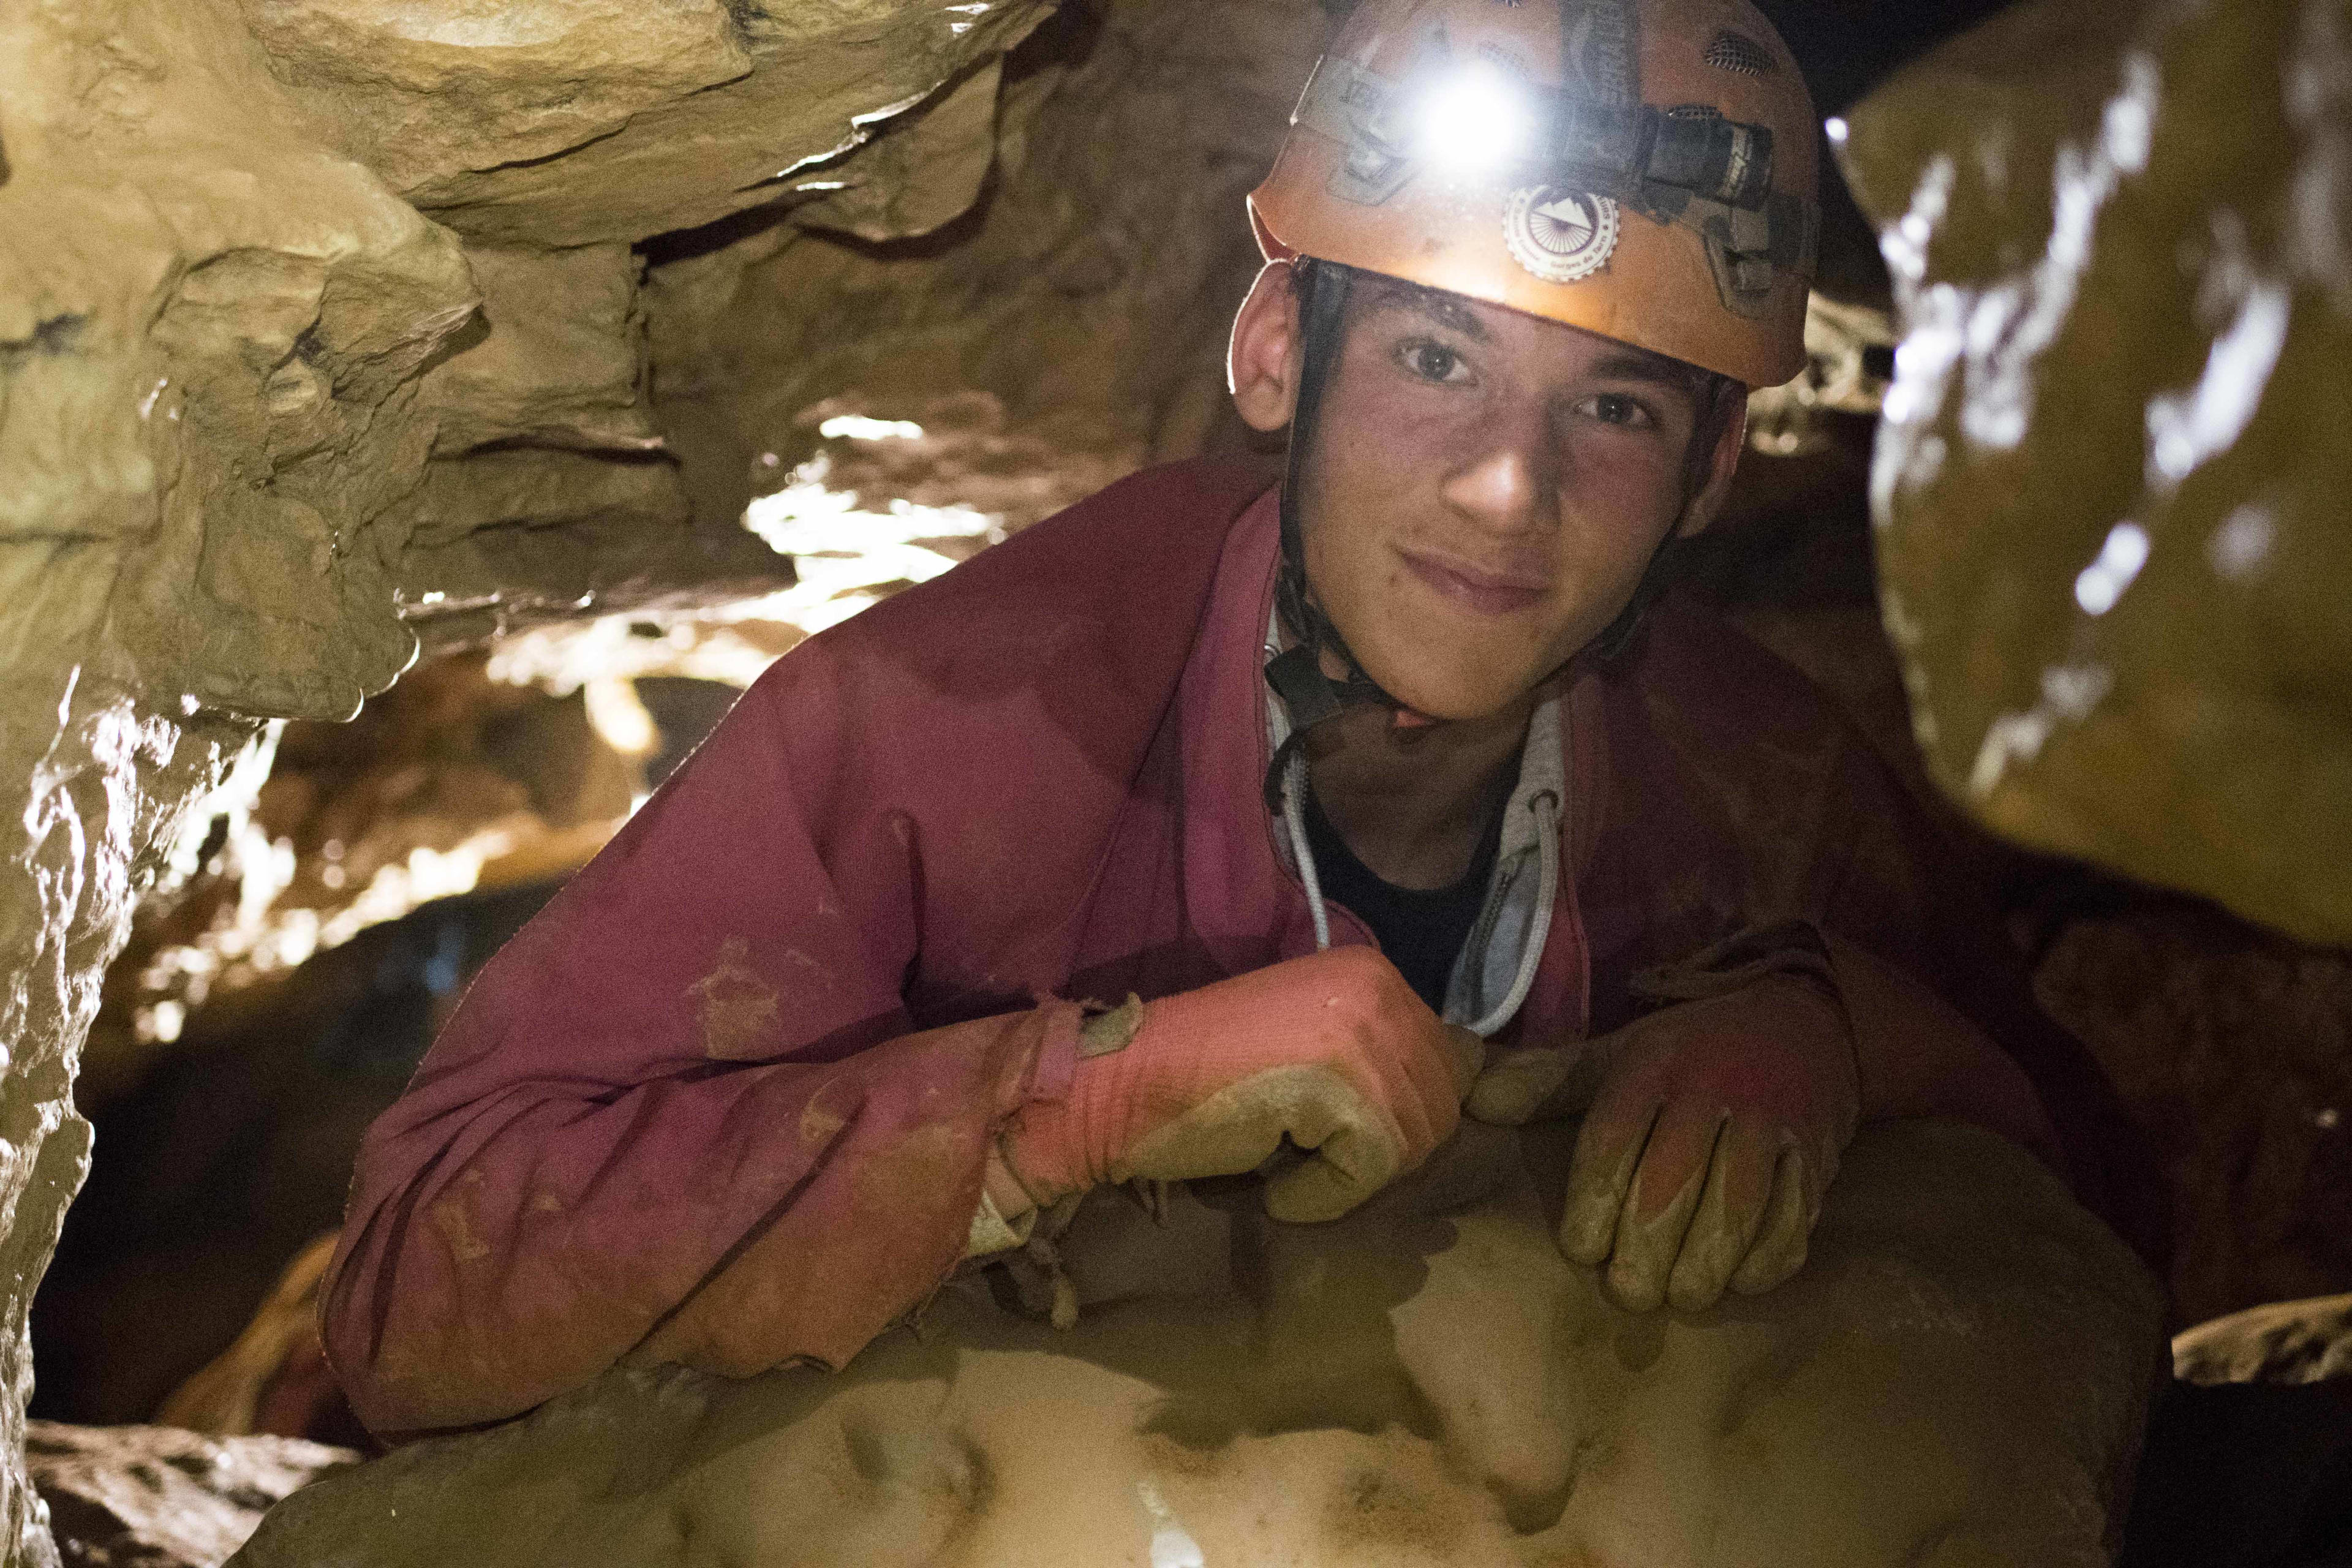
[105, 773]
[328, 328]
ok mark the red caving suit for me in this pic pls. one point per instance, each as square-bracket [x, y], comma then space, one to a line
[728, 1098]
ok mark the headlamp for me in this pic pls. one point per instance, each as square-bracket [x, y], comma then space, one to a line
[1473, 117]
[1469, 116]
[1465, 115]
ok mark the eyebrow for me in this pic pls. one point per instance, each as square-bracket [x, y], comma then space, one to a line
[1435, 304]
[1656, 370]
[1446, 311]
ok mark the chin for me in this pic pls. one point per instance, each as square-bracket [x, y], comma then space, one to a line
[1470, 691]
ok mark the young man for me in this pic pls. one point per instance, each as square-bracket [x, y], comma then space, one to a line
[1353, 799]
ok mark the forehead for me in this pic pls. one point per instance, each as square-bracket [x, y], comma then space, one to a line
[1375, 294]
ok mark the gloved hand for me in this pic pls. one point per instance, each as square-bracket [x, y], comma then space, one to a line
[1333, 1049]
[1713, 1128]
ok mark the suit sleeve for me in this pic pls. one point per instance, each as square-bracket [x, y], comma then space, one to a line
[1931, 982]
[685, 1114]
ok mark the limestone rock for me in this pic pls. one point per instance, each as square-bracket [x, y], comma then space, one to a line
[2110, 486]
[153, 1496]
[1425, 1382]
[566, 122]
[908, 184]
[425, 93]
[216, 320]
[228, 339]
[105, 775]
[2283, 1342]
[559, 361]
[2233, 1049]
[233, 356]
[1848, 351]
[1087, 295]
[453, 781]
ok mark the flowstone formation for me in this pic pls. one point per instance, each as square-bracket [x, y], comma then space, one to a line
[2111, 482]
[1426, 1381]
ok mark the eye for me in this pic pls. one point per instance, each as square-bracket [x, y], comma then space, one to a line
[1618, 408]
[1432, 362]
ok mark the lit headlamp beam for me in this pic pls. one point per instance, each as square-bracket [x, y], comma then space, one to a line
[1467, 116]
[1474, 117]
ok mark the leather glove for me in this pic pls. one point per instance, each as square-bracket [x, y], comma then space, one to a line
[1714, 1127]
[1333, 1051]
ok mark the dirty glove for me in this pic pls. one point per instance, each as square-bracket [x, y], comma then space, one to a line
[1713, 1128]
[1333, 1051]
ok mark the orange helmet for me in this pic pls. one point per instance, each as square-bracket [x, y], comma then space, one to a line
[1642, 169]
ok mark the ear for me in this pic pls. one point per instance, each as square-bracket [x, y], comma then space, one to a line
[1262, 360]
[1705, 506]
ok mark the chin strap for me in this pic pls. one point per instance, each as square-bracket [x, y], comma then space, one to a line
[1296, 674]
[1613, 639]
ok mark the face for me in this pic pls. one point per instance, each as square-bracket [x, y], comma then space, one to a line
[1485, 488]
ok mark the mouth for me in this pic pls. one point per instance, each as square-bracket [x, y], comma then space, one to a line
[1479, 589]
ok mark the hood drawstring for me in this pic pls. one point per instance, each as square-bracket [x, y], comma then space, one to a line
[1294, 817]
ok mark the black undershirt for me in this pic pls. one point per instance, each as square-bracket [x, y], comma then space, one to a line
[1420, 930]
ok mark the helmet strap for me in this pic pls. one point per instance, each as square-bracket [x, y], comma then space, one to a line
[1614, 638]
[1296, 674]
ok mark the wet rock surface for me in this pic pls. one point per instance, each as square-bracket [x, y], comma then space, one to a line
[2280, 1342]
[453, 781]
[154, 1497]
[2110, 483]
[217, 323]
[1427, 1381]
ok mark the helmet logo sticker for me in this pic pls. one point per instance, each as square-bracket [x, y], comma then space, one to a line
[1557, 234]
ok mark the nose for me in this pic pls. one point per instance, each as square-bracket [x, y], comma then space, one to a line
[1502, 488]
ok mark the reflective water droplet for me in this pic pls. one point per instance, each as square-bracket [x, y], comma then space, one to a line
[2103, 582]
[2244, 542]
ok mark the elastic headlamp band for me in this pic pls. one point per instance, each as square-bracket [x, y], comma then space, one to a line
[1610, 148]
[1297, 676]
